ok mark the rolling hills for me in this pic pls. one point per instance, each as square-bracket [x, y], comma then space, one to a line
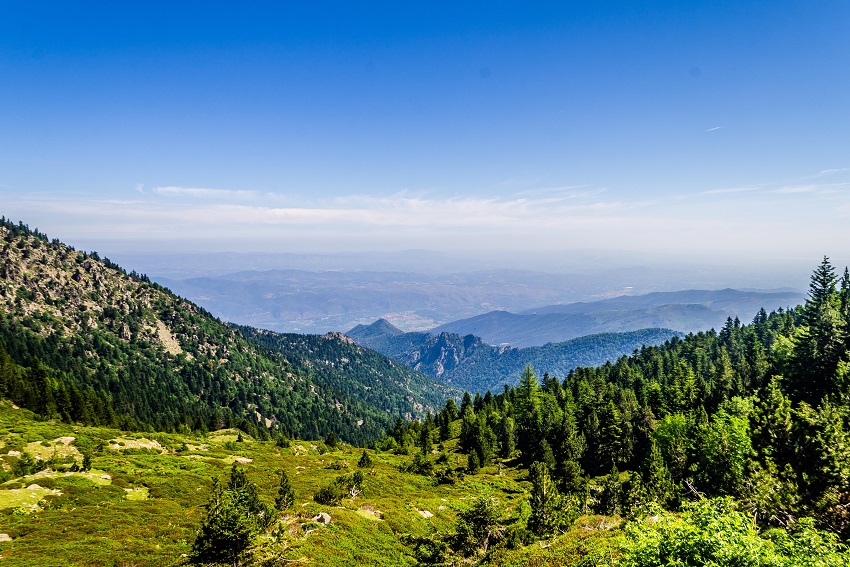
[467, 362]
[686, 311]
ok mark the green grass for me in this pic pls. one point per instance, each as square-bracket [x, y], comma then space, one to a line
[142, 502]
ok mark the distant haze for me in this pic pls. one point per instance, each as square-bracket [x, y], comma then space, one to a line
[419, 290]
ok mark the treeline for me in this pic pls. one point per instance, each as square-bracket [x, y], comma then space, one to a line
[757, 412]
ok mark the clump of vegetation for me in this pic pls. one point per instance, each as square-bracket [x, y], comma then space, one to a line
[343, 486]
[365, 460]
[234, 516]
[285, 493]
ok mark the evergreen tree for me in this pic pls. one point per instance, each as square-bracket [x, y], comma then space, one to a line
[365, 460]
[451, 410]
[473, 463]
[425, 444]
[285, 493]
[465, 403]
[546, 503]
[506, 436]
[820, 344]
[234, 516]
[656, 478]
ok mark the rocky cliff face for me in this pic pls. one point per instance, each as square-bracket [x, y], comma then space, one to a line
[444, 352]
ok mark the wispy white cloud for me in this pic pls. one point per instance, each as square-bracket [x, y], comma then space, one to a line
[796, 189]
[747, 217]
[825, 172]
[715, 128]
[202, 192]
[727, 190]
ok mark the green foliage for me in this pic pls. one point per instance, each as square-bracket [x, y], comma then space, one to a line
[479, 527]
[713, 532]
[328, 495]
[550, 512]
[285, 493]
[725, 449]
[234, 516]
[365, 460]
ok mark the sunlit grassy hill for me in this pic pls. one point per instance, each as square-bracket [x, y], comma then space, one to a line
[143, 498]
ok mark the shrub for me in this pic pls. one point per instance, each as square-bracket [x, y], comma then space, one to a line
[365, 460]
[329, 496]
[234, 516]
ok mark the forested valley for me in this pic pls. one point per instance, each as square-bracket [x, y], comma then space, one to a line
[136, 429]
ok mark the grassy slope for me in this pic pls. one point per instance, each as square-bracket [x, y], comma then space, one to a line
[103, 518]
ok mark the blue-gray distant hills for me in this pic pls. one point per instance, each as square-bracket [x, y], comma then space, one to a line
[469, 363]
[686, 311]
[558, 338]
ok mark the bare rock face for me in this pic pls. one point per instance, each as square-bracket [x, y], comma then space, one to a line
[323, 518]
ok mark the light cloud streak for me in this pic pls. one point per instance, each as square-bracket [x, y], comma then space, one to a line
[203, 192]
[735, 220]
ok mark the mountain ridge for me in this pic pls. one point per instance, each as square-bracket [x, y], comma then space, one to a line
[78, 327]
[685, 311]
[469, 363]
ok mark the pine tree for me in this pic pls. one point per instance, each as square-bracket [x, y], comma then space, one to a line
[425, 439]
[656, 478]
[285, 493]
[820, 344]
[365, 460]
[473, 463]
[506, 436]
[546, 503]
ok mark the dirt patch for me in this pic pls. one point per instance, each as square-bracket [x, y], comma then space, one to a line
[123, 443]
[169, 342]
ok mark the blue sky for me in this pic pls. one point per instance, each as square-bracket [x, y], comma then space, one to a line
[698, 128]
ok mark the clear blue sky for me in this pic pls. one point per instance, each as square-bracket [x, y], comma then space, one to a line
[695, 127]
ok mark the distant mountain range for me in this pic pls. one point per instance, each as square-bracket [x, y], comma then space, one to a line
[686, 311]
[469, 363]
[415, 291]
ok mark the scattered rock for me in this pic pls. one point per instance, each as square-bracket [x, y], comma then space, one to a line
[64, 440]
[14, 453]
[5, 537]
[243, 460]
[33, 487]
[425, 513]
[323, 518]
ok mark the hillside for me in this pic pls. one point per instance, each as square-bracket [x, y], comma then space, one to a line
[89, 342]
[470, 364]
[358, 372]
[688, 311]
